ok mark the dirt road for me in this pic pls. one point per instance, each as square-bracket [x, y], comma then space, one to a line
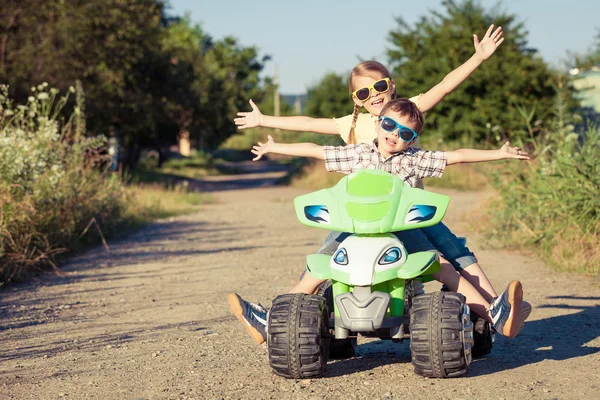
[150, 320]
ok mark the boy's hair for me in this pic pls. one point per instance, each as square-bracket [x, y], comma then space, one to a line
[363, 69]
[407, 109]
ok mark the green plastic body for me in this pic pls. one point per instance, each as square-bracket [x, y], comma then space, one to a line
[366, 203]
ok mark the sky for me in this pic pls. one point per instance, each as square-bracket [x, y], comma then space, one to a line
[308, 38]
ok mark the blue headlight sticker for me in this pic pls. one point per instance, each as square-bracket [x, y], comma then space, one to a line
[318, 214]
[390, 256]
[420, 213]
[341, 257]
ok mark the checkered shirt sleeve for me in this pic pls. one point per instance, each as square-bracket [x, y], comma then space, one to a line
[429, 164]
[343, 159]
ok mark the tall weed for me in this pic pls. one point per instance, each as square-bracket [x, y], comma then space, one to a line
[52, 182]
[552, 205]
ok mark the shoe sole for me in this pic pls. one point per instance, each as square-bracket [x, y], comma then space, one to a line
[525, 311]
[238, 311]
[515, 321]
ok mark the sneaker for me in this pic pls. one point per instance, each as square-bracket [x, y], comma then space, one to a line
[525, 311]
[253, 316]
[507, 311]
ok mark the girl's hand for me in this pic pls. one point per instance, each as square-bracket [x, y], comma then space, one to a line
[513, 152]
[249, 119]
[489, 44]
[262, 148]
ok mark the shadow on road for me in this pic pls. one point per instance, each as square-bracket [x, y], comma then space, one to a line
[558, 338]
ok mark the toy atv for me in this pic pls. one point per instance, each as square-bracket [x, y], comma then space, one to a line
[376, 286]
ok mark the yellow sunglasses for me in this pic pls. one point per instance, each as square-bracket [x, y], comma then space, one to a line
[381, 86]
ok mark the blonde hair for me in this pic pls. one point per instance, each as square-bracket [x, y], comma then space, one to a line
[363, 69]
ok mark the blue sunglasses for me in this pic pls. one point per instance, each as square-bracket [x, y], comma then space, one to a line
[404, 133]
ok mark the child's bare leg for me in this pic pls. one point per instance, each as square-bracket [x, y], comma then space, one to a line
[475, 275]
[461, 257]
[455, 282]
[507, 313]
[306, 285]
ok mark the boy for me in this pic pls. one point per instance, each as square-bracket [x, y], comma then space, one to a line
[397, 128]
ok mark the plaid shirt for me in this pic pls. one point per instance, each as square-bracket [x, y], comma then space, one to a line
[410, 164]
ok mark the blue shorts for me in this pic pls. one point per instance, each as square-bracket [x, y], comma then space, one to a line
[452, 248]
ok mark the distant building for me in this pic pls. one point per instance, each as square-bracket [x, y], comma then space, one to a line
[297, 101]
[588, 85]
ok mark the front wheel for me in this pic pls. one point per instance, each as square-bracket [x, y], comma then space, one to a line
[441, 335]
[298, 336]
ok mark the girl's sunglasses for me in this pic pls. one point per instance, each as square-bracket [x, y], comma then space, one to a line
[380, 86]
[404, 133]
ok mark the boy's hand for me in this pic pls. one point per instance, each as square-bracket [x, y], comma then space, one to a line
[249, 119]
[489, 44]
[262, 148]
[506, 151]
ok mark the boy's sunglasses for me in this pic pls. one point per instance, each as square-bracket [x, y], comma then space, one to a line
[404, 133]
[380, 86]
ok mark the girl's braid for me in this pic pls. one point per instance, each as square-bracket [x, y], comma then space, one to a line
[351, 135]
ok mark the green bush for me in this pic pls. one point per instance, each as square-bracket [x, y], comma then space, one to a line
[51, 186]
[553, 203]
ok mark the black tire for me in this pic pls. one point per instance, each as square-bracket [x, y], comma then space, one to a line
[298, 336]
[339, 349]
[437, 342]
[482, 335]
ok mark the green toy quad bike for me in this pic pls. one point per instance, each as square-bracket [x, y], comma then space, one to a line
[376, 286]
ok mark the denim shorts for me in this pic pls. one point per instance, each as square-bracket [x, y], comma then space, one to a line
[452, 248]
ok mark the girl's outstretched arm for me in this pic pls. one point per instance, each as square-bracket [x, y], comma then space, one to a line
[290, 149]
[483, 51]
[255, 118]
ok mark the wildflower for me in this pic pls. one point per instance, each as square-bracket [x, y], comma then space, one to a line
[71, 89]
[33, 88]
[42, 96]
[31, 99]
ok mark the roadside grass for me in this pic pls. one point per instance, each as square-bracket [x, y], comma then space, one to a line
[148, 202]
[57, 195]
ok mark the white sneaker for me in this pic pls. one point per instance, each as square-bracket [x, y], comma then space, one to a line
[508, 311]
[253, 316]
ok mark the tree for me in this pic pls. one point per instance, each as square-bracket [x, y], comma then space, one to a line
[591, 58]
[330, 97]
[515, 75]
[233, 78]
[147, 77]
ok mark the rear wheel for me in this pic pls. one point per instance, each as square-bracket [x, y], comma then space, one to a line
[298, 336]
[441, 335]
[482, 335]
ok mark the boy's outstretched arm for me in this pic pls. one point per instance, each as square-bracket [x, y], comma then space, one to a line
[483, 51]
[255, 118]
[473, 156]
[290, 149]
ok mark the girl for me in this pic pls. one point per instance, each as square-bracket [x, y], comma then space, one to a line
[372, 87]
